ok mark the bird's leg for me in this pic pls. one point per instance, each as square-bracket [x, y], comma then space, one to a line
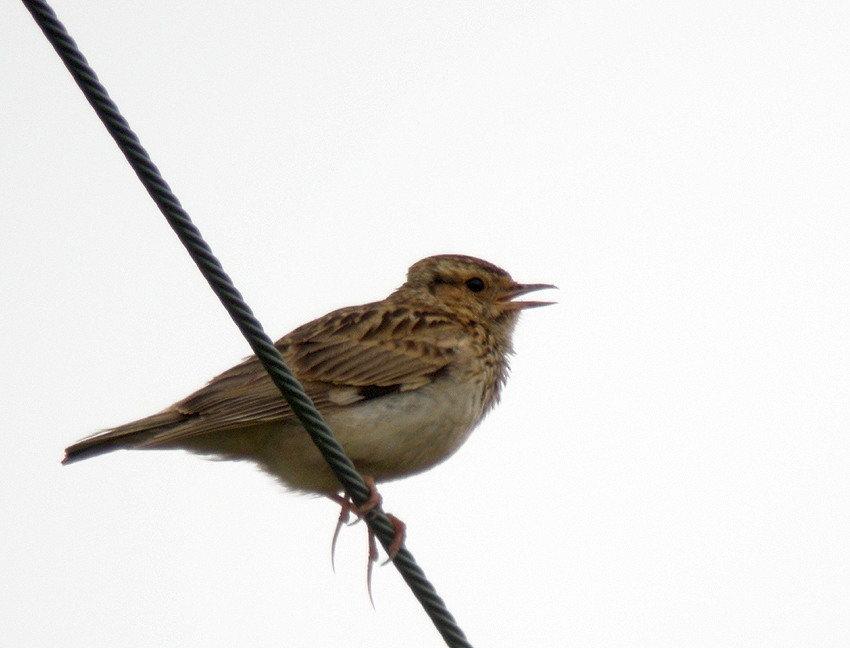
[399, 526]
[398, 539]
[343, 518]
[344, 514]
[375, 500]
[400, 534]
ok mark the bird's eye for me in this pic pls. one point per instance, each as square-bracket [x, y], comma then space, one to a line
[475, 284]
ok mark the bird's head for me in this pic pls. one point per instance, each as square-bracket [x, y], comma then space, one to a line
[469, 287]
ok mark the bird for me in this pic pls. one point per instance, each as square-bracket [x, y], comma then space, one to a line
[401, 382]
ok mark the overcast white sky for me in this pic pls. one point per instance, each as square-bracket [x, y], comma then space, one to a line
[669, 465]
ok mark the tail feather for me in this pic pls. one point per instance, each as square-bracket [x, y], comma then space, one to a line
[124, 437]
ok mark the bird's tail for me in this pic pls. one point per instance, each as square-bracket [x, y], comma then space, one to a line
[125, 437]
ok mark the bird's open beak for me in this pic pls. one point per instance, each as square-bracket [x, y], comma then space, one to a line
[524, 289]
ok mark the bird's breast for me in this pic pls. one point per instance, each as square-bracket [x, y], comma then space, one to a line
[407, 432]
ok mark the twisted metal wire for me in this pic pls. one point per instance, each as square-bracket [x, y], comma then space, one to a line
[241, 314]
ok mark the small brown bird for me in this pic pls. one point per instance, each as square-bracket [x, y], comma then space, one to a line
[401, 383]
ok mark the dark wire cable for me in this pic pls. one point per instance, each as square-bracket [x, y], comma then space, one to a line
[242, 315]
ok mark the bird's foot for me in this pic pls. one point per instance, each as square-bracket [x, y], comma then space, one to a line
[374, 501]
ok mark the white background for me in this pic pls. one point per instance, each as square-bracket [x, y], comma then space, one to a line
[669, 465]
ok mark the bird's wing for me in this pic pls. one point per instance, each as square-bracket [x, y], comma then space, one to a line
[345, 357]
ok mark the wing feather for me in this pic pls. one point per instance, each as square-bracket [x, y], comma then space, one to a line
[334, 357]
